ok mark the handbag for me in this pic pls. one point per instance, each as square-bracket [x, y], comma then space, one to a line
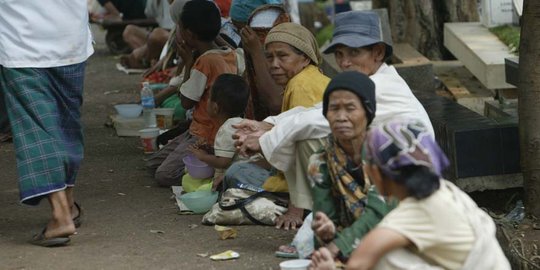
[245, 207]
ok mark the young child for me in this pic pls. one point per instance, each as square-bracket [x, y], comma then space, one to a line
[227, 103]
[198, 27]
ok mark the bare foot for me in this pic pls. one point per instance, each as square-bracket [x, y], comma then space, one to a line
[129, 61]
[57, 228]
[322, 260]
[287, 249]
[290, 220]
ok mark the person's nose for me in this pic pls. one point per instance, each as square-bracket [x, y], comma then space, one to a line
[274, 63]
[344, 62]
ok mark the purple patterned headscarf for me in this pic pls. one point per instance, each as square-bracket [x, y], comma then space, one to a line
[403, 142]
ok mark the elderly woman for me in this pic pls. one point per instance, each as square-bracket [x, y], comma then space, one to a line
[435, 221]
[293, 57]
[344, 205]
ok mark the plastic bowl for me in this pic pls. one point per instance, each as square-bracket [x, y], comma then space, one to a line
[129, 110]
[199, 201]
[298, 264]
[196, 168]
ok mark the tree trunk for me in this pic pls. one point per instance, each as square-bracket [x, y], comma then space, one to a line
[529, 104]
[420, 22]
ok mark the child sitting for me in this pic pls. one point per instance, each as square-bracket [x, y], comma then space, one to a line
[197, 29]
[227, 103]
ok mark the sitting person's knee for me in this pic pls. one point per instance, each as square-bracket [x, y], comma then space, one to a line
[158, 36]
[129, 31]
[166, 179]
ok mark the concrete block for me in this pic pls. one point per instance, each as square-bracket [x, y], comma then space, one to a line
[480, 51]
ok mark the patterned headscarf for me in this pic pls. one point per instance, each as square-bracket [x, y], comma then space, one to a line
[403, 142]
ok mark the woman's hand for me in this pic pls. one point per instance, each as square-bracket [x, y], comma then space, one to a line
[250, 40]
[323, 227]
[249, 128]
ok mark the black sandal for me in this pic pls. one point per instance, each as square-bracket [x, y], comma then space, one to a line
[40, 240]
[78, 219]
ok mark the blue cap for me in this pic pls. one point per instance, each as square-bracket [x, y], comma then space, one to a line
[357, 29]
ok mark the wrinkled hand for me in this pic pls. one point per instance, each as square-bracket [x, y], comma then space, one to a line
[249, 127]
[322, 259]
[249, 147]
[250, 40]
[323, 227]
[290, 220]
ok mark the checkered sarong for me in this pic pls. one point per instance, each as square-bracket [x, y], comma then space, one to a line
[43, 106]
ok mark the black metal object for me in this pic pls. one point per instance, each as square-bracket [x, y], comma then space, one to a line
[511, 70]
[475, 145]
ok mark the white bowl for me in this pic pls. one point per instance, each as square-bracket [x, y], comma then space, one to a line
[298, 264]
[129, 110]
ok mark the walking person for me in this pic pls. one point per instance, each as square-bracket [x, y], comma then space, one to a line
[42, 63]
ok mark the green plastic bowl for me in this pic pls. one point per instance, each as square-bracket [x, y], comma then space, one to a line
[199, 201]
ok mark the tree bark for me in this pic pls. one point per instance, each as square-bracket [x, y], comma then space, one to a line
[421, 22]
[529, 104]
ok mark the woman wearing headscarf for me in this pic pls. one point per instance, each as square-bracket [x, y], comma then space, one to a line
[345, 206]
[293, 58]
[435, 225]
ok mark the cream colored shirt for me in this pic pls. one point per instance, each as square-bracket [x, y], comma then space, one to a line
[441, 233]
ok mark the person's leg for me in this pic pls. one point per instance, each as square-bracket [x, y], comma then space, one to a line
[135, 36]
[155, 160]
[299, 186]
[156, 40]
[43, 107]
[402, 259]
[245, 175]
[171, 169]
[5, 129]
[61, 223]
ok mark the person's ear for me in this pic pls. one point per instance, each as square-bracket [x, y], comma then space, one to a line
[214, 107]
[306, 61]
[379, 51]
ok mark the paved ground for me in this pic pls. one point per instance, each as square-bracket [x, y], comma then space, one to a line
[121, 204]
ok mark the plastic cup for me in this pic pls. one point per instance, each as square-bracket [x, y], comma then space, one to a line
[298, 264]
[148, 139]
[164, 117]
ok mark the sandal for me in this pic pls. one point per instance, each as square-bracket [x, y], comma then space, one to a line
[77, 221]
[287, 251]
[40, 240]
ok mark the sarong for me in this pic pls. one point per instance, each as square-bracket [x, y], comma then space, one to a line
[43, 106]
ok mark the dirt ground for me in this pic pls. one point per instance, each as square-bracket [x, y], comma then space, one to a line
[121, 203]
